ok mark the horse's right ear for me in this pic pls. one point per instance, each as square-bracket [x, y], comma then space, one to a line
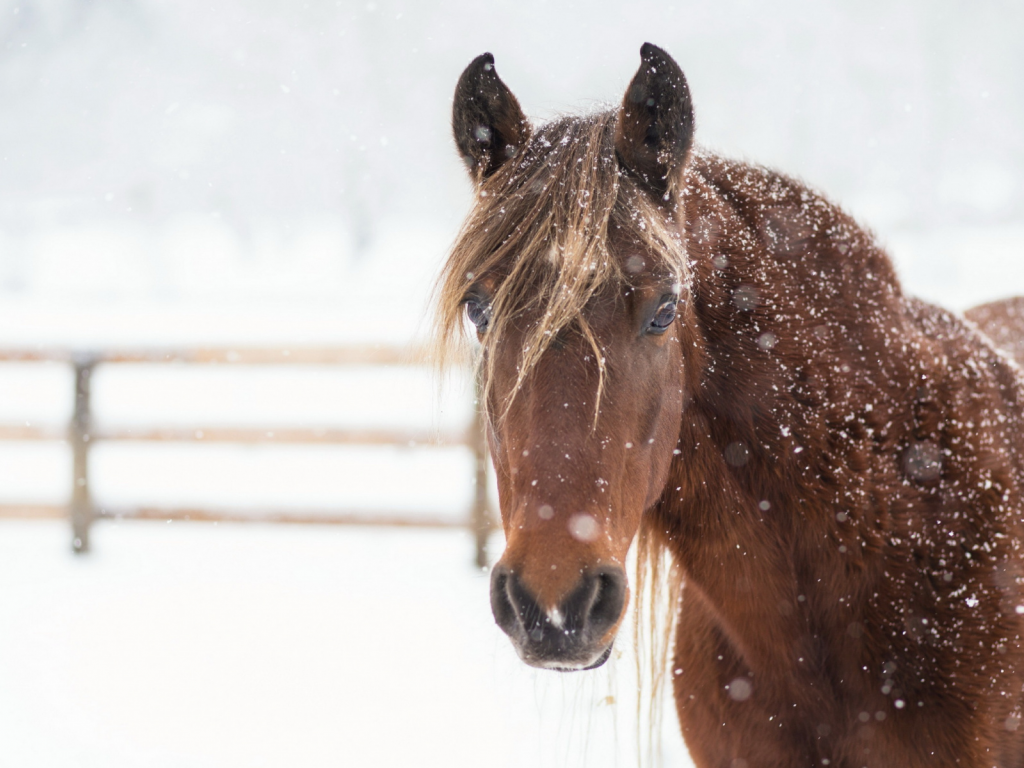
[655, 126]
[487, 121]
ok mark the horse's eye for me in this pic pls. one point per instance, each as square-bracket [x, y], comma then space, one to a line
[479, 314]
[664, 316]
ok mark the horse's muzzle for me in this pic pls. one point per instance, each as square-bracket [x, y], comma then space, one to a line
[575, 635]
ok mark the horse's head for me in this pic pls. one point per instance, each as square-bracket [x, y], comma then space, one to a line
[572, 269]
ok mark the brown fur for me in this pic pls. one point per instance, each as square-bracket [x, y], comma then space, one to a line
[835, 468]
[1003, 322]
[908, 428]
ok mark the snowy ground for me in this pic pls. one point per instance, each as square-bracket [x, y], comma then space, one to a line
[202, 645]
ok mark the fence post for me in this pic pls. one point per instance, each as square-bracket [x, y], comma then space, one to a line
[480, 515]
[82, 512]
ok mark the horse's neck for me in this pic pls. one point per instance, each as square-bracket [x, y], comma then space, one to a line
[788, 296]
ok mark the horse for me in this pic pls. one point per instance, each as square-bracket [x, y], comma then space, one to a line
[712, 359]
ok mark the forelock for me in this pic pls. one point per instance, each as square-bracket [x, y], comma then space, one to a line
[539, 229]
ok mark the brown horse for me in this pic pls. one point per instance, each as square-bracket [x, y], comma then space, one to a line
[715, 356]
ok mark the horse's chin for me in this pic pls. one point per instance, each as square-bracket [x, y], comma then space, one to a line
[560, 665]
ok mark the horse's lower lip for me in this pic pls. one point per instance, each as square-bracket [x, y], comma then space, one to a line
[557, 666]
[600, 661]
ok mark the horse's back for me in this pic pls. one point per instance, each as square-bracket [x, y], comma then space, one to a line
[1003, 322]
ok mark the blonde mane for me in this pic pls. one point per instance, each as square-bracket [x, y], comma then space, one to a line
[539, 229]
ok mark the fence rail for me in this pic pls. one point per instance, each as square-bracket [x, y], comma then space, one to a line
[355, 354]
[276, 435]
[81, 433]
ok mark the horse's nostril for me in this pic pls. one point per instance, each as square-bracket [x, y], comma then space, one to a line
[570, 631]
[501, 605]
[608, 597]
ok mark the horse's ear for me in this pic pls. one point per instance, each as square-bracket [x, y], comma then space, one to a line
[488, 123]
[655, 126]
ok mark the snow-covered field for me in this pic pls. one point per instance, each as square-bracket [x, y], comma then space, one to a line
[211, 645]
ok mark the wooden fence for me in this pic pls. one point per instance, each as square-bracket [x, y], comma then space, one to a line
[81, 433]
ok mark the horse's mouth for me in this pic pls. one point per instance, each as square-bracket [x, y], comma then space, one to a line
[600, 662]
[561, 665]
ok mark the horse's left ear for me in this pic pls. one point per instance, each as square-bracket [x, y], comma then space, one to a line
[655, 126]
[488, 123]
